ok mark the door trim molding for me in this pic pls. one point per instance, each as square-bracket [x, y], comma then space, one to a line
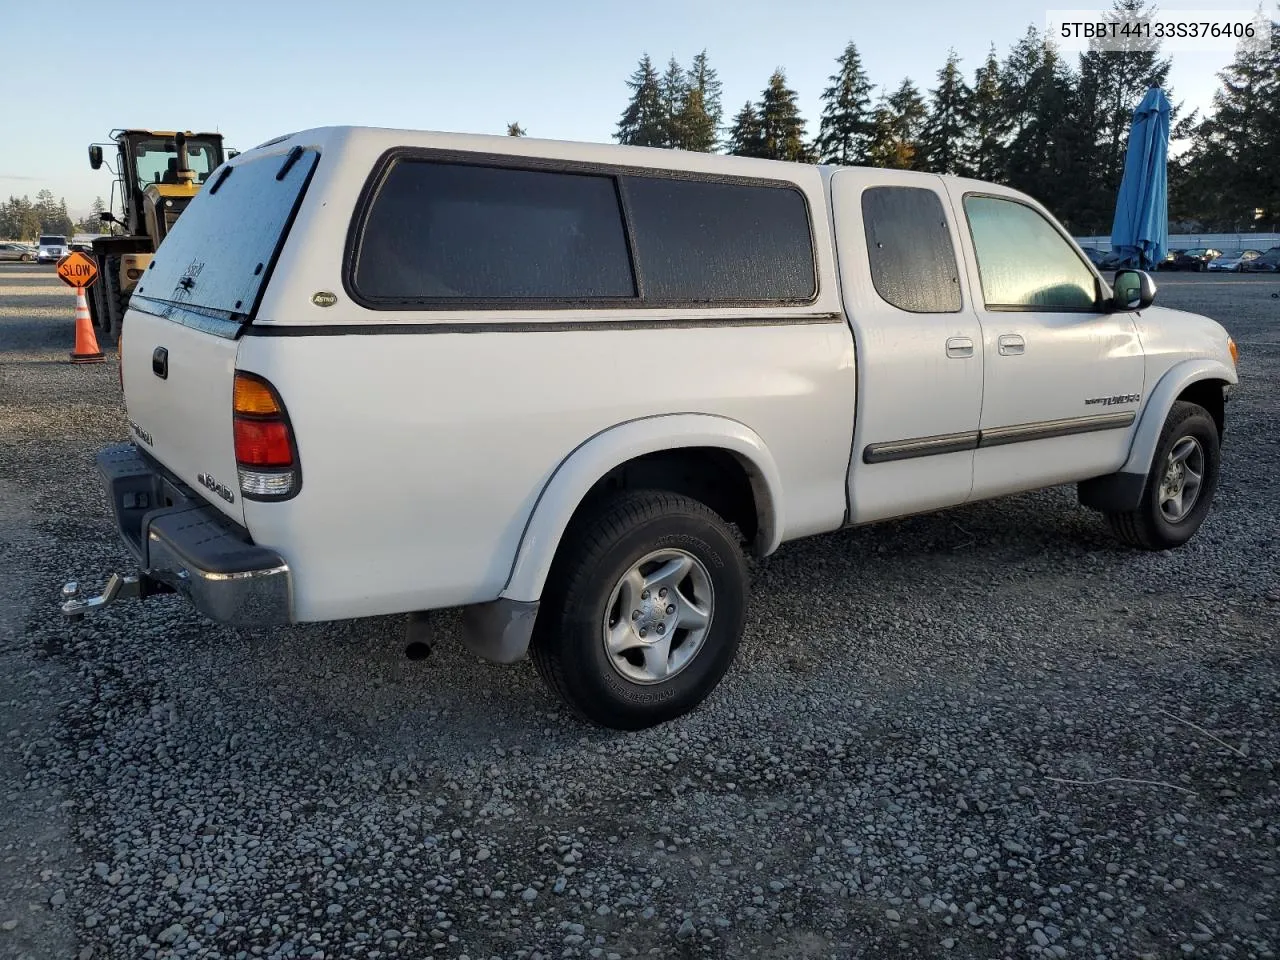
[994, 437]
[1047, 429]
[920, 447]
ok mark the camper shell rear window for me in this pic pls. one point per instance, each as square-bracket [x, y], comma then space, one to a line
[212, 268]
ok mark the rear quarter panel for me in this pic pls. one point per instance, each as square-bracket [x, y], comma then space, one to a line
[423, 453]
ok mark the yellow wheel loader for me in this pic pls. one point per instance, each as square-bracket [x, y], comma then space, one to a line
[158, 172]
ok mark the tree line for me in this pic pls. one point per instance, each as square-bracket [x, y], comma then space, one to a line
[23, 219]
[1032, 120]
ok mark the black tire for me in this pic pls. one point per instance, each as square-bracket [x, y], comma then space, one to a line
[25, 258]
[598, 550]
[114, 302]
[1148, 528]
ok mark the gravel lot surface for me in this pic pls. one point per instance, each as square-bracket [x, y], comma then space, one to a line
[990, 732]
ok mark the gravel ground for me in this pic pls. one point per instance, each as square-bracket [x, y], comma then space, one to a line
[989, 732]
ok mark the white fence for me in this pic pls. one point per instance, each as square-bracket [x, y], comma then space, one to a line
[1226, 242]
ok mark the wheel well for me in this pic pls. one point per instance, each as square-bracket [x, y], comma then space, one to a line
[711, 475]
[1208, 394]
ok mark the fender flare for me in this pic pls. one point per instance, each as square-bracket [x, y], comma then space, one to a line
[578, 472]
[1176, 379]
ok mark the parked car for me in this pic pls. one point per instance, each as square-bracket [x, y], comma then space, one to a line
[52, 249]
[1196, 259]
[1268, 262]
[1234, 263]
[16, 251]
[562, 386]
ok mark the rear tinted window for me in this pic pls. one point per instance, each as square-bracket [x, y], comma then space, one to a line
[53, 241]
[447, 232]
[699, 241]
[913, 263]
[220, 252]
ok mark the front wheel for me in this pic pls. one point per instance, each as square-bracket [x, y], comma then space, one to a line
[25, 258]
[1180, 485]
[643, 610]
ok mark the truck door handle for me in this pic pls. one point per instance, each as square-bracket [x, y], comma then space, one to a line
[160, 363]
[959, 347]
[1012, 345]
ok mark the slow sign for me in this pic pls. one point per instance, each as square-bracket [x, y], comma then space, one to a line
[77, 270]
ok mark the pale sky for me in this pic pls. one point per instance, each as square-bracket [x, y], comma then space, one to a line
[254, 70]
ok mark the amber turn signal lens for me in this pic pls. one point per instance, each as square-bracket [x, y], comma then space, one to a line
[1235, 351]
[254, 396]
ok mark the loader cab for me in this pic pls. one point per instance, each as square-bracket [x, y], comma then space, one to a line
[158, 173]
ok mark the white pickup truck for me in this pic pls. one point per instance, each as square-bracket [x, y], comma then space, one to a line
[563, 386]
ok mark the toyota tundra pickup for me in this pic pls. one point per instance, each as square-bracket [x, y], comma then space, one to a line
[565, 386]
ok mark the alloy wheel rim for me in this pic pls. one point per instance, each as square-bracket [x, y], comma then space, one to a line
[658, 616]
[1182, 480]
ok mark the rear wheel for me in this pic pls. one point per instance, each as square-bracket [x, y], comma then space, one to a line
[1180, 485]
[643, 611]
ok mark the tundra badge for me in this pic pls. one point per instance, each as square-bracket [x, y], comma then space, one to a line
[218, 488]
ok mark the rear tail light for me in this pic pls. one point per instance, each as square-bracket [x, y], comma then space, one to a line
[266, 453]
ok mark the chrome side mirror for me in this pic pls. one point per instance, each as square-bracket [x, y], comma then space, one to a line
[1133, 290]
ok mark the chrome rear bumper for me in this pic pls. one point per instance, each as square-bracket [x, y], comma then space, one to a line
[184, 545]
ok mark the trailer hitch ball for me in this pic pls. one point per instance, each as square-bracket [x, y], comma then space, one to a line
[71, 591]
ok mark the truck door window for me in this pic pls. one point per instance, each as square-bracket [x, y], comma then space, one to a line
[1024, 262]
[913, 263]
[475, 234]
[701, 241]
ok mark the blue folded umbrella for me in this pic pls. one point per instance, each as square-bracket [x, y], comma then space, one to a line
[1140, 231]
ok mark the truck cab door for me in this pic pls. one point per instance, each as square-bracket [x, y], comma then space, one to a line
[1063, 373]
[918, 341]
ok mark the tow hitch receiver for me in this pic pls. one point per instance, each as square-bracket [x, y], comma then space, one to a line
[118, 587]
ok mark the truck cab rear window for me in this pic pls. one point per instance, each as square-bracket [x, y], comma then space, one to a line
[455, 232]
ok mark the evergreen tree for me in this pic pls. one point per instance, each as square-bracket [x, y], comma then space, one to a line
[896, 126]
[701, 134]
[844, 134]
[91, 223]
[990, 126]
[697, 128]
[515, 130]
[944, 143]
[1231, 170]
[18, 219]
[746, 136]
[1018, 76]
[52, 214]
[1049, 154]
[781, 126]
[643, 123]
[675, 91]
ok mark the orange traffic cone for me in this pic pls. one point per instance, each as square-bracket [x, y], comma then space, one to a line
[86, 343]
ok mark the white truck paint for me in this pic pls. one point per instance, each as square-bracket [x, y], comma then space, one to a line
[445, 449]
